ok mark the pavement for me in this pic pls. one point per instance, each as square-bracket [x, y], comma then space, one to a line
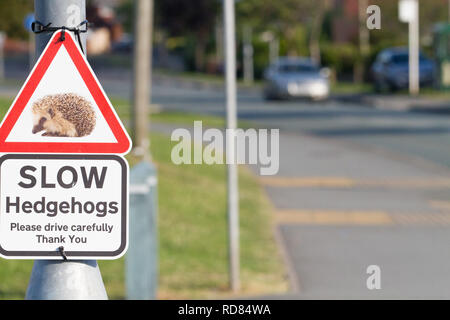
[358, 185]
[399, 102]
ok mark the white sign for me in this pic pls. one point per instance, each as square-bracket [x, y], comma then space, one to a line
[54, 206]
[408, 10]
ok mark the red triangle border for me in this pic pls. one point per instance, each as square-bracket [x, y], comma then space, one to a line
[123, 144]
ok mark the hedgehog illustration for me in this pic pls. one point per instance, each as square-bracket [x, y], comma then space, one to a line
[63, 115]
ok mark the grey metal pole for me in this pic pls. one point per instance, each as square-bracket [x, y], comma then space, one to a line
[2, 55]
[248, 54]
[414, 51]
[32, 48]
[63, 280]
[219, 41]
[68, 280]
[141, 263]
[232, 173]
[142, 76]
[274, 49]
[67, 13]
[364, 35]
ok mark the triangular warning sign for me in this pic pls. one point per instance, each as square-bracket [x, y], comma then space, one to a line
[62, 108]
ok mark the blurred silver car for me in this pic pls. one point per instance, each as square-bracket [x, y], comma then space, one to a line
[296, 77]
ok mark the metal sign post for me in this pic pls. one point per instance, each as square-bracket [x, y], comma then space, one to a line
[247, 54]
[142, 69]
[409, 12]
[63, 279]
[231, 103]
[141, 264]
[68, 13]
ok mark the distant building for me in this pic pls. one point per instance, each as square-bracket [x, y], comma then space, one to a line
[345, 21]
[106, 29]
[106, 3]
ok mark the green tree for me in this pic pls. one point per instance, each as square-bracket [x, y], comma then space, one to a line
[125, 13]
[12, 14]
[393, 32]
[193, 18]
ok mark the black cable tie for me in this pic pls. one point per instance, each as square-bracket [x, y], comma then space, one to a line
[39, 27]
[62, 253]
[63, 34]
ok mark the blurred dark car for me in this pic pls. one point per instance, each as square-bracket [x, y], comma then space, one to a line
[124, 45]
[296, 77]
[390, 71]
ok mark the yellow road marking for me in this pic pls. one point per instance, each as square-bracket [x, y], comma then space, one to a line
[343, 182]
[308, 182]
[333, 217]
[440, 205]
[360, 217]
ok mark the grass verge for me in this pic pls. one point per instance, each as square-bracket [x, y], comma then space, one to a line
[192, 231]
[178, 118]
